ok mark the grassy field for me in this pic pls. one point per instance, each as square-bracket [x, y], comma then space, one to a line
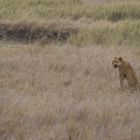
[56, 77]
[63, 93]
[71, 9]
[100, 22]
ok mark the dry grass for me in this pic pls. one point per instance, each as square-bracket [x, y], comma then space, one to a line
[115, 22]
[108, 34]
[24, 31]
[53, 92]
[75, 32]
[69, 9]
[66, 93]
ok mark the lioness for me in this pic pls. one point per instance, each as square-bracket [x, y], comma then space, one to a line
[125, 72]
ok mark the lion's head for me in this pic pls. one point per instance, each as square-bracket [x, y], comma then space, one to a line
[117, 62]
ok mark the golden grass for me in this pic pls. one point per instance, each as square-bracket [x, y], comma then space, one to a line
[69, 9]
[104, 33]
[108, 34]
[66, 93]
[25, 31]
[106, 22]
[54, 92]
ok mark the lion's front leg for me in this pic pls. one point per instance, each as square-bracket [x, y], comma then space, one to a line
[122, 80]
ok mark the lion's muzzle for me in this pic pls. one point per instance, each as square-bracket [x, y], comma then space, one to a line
[115, 66]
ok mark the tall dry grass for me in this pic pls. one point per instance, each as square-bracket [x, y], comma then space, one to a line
[104, 33]
[25, 31]
[66, 93]
[54, 92]
[69, 9]
[108, 34]
[115, 22]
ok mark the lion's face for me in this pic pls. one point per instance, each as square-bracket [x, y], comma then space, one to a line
[117, 62]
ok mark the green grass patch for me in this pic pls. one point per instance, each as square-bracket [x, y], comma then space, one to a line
[118, 11]
[68, 9]
[124, 33]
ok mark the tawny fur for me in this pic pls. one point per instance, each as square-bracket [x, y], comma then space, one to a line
[125, 72]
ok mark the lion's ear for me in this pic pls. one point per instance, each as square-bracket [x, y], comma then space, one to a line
[120, 58]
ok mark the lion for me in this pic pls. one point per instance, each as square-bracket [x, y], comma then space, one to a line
[125, 72]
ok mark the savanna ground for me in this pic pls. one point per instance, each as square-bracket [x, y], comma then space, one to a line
[56, 77]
